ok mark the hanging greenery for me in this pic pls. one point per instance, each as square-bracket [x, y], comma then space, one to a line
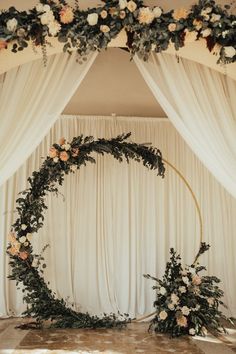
[27, 268]
[147, 28]
[186, 302]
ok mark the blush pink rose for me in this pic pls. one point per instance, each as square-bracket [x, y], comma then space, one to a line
[23, 255]
[53, 152]
[64, 156]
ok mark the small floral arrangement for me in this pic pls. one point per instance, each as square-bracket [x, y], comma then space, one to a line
[148, 28]
[187, 303]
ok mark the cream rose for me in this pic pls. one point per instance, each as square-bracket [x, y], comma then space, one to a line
[182, 289]
[196, 280]
[182, 321]
[131, 6]
[206, 32]
[185, 310]
[104, 28]
[122, 4]
[56, 159]
[215, 17]
[12, 24]
[180, 13]
[22, 239]
[163, 315]
[103, 14]
[29, 236]
[145, 16]
[47, 17]
[162, 290]
[172, 27]
[192, 332]
[66, 15]
[230, 51]
[157, 11]
[171, 306]
[23, 227]
[92, 19]
[174, 298]
[39, 7]
[54, 27]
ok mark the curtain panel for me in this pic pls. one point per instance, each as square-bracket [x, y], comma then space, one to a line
[201, 104]
[31, 99]
[114, 222]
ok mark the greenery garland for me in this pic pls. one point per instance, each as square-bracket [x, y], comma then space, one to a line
[27, 268]
[147, 28]
[186, 302]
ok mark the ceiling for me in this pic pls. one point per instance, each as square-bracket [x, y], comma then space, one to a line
[114, 85]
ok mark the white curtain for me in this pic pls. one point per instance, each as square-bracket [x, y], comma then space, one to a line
[201, 104]
[118, 221]
[31, 98]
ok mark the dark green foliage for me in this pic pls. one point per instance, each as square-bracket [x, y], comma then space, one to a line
[186, 302]
[27, 268]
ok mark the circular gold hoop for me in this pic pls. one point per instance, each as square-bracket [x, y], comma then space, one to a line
[199, 217]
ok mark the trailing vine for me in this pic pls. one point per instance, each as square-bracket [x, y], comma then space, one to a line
[27, 268]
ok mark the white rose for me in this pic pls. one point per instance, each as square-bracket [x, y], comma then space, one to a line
[215, 18]
[182, 289]
[47, 17]
[122, 4]
[56, 159]
[54, 27]
[23, 227]
[171, 306]
[224, 33]
[145, 15]
[12, 24]
[230, 52]
[46, 8]
[205, 15]
[131, 6]
[157, 11]
[39, 7]
[29, 236]
[174, 298]
[26, 244]
[162, 290]
[185, 310]
[92, 19]
[163, 315]
[185, 280]
[192, 331]
[206, 32]
[208, 9]
[22, 239]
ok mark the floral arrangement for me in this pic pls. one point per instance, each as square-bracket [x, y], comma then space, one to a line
[148, 28]
[187, 303]
[27, 267]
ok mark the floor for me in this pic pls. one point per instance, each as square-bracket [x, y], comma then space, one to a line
[134, 339]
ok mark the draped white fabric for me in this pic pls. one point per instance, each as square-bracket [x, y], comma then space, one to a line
[118, 221]
[31, 99]
[201, 104]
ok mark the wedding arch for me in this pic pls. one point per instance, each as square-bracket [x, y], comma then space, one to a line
[64, 158]
[147, 29]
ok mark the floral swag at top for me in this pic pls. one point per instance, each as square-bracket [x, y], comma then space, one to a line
[147, 28]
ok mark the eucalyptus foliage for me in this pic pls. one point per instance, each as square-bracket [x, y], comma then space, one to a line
[26, 267]
[186, 302]
[147, 28]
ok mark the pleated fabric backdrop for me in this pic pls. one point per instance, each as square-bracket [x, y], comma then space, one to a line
[114, 222]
